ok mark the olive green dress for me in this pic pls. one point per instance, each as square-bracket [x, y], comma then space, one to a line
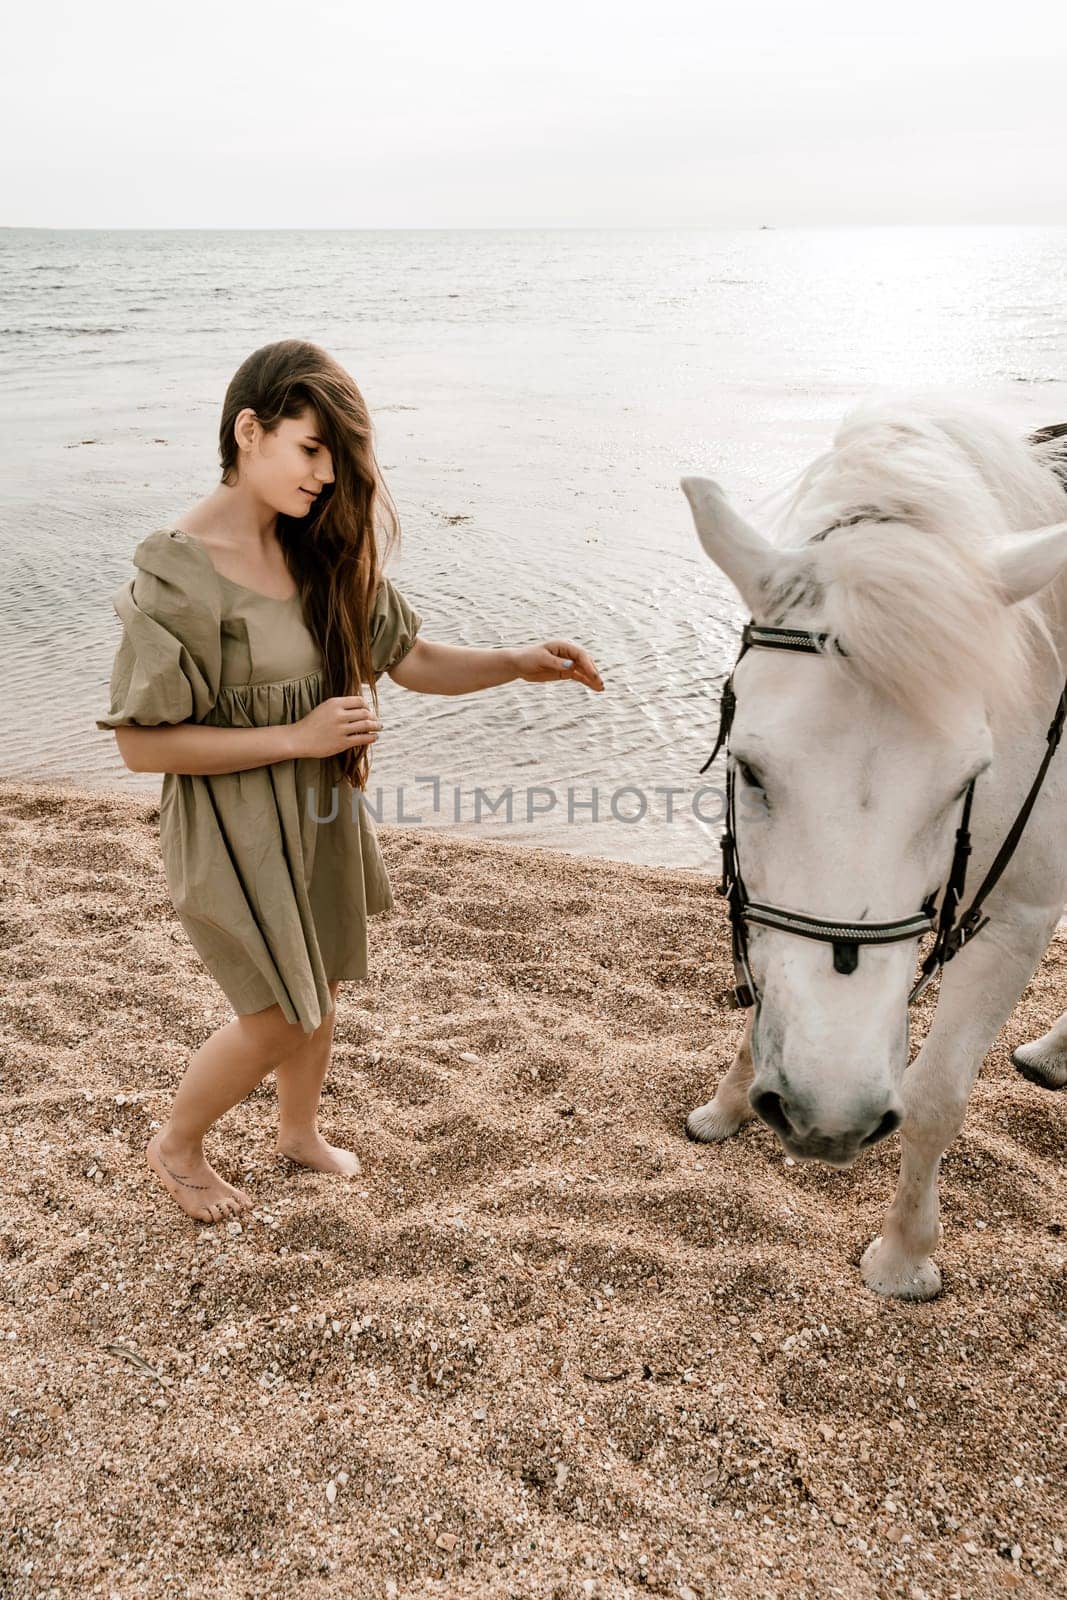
[273, 871]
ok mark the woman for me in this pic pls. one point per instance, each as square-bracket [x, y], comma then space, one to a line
[248, 631]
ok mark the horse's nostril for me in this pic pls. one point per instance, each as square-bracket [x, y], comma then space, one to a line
[790, 1125]
[768, 1105]
[889, 1124]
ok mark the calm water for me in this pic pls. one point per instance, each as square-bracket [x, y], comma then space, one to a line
[537, 396]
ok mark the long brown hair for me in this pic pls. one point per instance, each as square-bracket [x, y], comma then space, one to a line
[335, 554]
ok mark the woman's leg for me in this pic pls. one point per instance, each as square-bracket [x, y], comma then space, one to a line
[300, 1077]
[222, 1072]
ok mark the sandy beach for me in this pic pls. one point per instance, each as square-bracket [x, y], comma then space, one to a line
[544, 1346]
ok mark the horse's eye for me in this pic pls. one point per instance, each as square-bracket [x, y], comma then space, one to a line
[749, 776]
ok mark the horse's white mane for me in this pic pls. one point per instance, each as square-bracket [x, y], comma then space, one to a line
[914, 598]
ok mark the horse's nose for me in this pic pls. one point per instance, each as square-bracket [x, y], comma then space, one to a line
[827, 1137]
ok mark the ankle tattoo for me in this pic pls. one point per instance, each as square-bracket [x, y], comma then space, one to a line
[179, 1179]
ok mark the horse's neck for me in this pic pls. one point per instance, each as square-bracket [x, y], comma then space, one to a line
[1054, 606]
[1050, 673]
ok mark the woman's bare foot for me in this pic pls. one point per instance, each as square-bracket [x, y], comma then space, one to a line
[311, 1150]
[196, 1186]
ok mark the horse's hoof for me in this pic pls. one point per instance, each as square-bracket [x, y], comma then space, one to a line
[707, 1125]
[888, 1272]
[1051, 1074]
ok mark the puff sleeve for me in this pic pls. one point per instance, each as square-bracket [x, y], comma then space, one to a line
[168, 665]
[393, 627]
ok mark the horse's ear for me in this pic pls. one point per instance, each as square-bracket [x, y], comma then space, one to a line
[736, 548]
[1026, 562]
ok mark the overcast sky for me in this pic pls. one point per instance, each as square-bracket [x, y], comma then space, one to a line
[468, 113]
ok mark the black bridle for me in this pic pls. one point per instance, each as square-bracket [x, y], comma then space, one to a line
[953, 930]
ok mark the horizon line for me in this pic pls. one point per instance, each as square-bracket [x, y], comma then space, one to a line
[524, 227]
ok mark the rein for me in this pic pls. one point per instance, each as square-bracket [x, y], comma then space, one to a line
[953, 931]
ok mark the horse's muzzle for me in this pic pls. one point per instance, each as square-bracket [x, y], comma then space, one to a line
[800, 1132]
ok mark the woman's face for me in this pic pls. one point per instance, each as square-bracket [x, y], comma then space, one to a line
[288, 468]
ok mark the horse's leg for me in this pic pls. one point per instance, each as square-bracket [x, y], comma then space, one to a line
[1044, 1060]
[975, 1001]
[723, 1115]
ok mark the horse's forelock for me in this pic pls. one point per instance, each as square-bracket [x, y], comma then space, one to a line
[908, 584]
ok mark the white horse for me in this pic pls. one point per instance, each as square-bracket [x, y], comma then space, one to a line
[849, 771]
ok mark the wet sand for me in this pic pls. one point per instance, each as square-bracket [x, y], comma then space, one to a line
[544, 1345]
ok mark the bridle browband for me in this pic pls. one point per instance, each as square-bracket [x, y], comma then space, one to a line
[953, 931]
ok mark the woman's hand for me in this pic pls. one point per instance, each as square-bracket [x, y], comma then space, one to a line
[555, 660]
[341, 723]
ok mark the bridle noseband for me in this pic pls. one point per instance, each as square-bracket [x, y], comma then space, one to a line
[953, 932]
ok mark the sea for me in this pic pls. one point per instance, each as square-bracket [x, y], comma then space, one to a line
[536, 397]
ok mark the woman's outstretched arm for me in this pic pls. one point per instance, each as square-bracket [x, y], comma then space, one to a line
[430, 668]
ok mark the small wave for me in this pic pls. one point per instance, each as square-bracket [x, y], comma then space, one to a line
[56, 327]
